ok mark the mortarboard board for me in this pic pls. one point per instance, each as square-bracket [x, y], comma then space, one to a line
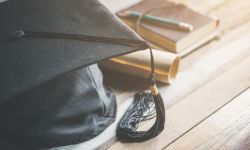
[51, 88]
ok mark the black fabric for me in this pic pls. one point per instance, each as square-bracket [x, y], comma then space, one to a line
[49, 94]
[67, 110]
[48, 56]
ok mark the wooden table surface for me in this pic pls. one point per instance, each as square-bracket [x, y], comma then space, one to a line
[208, 105]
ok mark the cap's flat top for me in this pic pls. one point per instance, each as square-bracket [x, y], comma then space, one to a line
[28, 62]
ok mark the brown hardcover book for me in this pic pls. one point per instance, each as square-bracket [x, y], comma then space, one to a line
[171, 39]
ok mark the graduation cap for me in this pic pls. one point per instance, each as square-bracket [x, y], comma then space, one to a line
[52, 91]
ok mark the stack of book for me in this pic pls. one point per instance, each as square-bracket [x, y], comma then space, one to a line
[174, 29]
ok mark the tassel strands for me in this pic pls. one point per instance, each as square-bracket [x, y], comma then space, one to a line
[126, 130]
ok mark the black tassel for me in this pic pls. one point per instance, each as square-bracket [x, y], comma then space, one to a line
[126, 129]
[139, 111]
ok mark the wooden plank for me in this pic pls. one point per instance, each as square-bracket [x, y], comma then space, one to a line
[232, 14]
[193, 109]
[229, 128]
[202, 6]
[206, 63]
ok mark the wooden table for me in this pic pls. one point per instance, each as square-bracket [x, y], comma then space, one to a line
[208, 105]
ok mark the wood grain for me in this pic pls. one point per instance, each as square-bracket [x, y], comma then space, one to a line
[202, 6]
[199, 70]
[207, 63]
[229, 128]
[232, 14]
[198, 105]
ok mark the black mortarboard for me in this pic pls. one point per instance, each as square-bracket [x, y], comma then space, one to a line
[51, 88]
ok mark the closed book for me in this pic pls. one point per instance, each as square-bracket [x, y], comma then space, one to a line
[168, 38]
